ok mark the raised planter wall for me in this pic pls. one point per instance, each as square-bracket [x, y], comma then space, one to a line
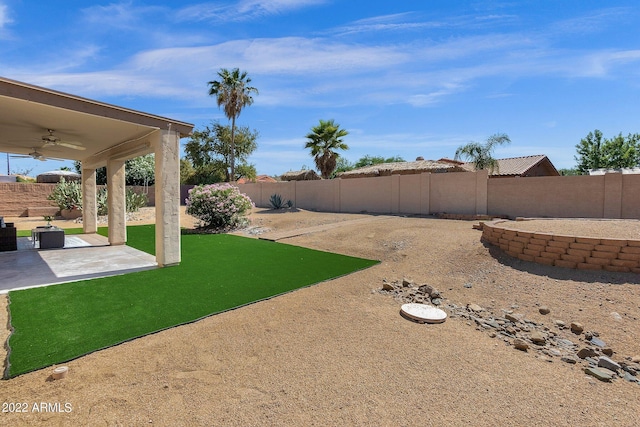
[585, 253]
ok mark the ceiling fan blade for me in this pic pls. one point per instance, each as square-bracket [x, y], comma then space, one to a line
[70, 145]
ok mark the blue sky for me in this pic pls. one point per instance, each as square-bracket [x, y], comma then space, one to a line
[407, 78]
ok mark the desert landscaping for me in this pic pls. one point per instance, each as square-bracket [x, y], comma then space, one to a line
[340, 353]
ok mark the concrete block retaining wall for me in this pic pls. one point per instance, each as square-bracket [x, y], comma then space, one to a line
[586, 253]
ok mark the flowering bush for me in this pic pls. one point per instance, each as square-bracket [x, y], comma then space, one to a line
[219, 206]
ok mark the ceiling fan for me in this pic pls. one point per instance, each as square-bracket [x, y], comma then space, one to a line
[52, 140]
[36, 155]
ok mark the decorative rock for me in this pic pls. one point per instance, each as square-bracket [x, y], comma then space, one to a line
[569, 359]
[474, 307]
[628, 377]
[591, 361]
[520, 344]
[577, 328]
[616, 316]
[605, 362]
[538, 338]
[511, 317]
[436, 301]
[387, 287]
[635, 359]
[565, 343]
[544, 310]
[468, 285]
[560, 324]
[406, 283]
[600, 374]
[586, 352]
[598, 342]
[608, 351]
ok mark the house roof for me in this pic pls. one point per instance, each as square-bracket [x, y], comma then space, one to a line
[514, 166]
[303, 175]
[259, 178]
[403, 168]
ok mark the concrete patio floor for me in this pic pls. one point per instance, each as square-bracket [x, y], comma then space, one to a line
[85, 256]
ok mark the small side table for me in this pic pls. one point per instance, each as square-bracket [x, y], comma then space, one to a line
[49, 237]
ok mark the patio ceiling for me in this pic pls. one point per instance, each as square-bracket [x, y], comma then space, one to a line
[28, 112]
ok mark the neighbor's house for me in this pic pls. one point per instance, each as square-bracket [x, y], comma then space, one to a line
[404, 168]
[525, 166]
[259, 178]
[302, 175]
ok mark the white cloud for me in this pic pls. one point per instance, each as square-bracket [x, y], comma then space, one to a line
[5, 19]
[243, 10]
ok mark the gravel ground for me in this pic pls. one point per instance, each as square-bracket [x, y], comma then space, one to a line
[339, 353]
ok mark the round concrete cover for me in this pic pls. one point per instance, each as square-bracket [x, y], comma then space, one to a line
[424, 313]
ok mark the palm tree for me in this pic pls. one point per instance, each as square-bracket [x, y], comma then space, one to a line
[233, 93]
[324, 140]
[481, 154]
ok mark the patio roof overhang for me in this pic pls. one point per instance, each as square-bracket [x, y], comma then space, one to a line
[107, 136]
[29, 111]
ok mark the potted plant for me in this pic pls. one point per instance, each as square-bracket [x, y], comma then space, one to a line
[48, 218]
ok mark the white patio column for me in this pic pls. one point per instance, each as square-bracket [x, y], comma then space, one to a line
[166, 144]
[116, 202]
[89, 205]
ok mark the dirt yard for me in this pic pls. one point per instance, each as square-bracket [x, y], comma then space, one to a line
[339, 353]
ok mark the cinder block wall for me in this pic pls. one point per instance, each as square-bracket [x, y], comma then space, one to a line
[16, 198]
[577, 252]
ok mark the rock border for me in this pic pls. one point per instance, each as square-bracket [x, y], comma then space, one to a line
[559, 250]
[569, 343]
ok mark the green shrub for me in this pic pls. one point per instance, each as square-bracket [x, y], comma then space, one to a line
[218, 206]
[276, 202]
[133, 200]
[101, 202]
[67, 195]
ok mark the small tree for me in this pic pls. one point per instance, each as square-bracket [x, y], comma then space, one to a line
[595, 152]
[481, 155]
[368, 160]
[209, 152]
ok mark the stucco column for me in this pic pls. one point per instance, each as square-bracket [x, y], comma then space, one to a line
[167, 155]
[89, 205]
[612, 207]
[482, 193]
[116, 202]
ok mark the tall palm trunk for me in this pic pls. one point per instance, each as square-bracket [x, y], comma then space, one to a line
[232, 159]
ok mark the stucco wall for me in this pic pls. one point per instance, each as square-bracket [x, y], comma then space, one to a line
[630, 196]
[604, 196]
[554, 196]
[453, 193]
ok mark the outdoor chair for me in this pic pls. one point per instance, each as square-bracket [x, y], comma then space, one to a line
[8, 236]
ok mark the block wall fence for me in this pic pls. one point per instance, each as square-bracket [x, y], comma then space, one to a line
[604, 196]
[16, 199]
[611, 195]
[585, 253]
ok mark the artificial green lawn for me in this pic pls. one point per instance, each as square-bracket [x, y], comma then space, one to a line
[218, 272]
